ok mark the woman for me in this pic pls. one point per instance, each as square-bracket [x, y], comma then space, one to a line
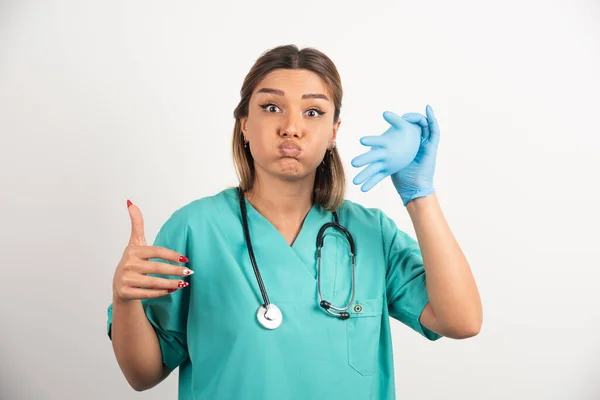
[267, 315]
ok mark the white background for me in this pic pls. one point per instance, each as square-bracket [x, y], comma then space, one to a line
[106, 101]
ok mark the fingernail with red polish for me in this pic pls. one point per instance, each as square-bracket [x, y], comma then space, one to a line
[183, 259]
[129, 203]
[180, 284]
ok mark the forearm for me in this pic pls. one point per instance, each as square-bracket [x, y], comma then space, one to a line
[451, 287]
[136, 345]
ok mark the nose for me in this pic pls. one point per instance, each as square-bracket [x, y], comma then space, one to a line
[291, 126]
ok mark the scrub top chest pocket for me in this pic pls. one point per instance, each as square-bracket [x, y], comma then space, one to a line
[363, 329]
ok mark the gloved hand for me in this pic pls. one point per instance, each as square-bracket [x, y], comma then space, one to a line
[407, 151]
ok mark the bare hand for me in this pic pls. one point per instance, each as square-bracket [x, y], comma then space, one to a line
[130, 281]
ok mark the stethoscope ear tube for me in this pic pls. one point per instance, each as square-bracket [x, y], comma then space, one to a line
[337, 225]
[327, 305]
[343, 314]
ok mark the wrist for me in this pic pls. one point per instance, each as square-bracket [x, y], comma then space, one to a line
[408, 196]
[119, 301]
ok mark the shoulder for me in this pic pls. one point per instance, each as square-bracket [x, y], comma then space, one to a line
[356, 212]
[371, 219]
[203, 208]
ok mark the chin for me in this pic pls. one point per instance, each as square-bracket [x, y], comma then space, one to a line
[291, 171]
[290, 166]
[291, 175]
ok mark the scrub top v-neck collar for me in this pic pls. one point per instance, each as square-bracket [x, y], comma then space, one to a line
[303, 249]
[312, 215]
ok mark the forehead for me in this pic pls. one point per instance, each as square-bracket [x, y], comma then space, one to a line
[294, 82]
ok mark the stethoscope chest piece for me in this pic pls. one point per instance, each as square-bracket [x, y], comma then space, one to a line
[270, 316]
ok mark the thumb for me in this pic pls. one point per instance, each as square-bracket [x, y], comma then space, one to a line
[137, 225]
[394, 119]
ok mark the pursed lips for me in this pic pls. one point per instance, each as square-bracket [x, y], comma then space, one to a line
[289, 149]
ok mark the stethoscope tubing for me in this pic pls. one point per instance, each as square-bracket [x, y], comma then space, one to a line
[327, 306]
[261, 285]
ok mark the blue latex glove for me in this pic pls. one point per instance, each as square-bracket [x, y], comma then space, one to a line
[407, 151]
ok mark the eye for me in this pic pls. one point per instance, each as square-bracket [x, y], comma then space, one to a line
[316, 112]
[269, 107]
[272, 108]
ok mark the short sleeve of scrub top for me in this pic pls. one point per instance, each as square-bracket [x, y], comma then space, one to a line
[405, 278]
[168, 314]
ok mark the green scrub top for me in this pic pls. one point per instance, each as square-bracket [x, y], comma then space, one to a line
[210, 330]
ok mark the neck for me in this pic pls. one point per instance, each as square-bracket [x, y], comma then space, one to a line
[284, 203]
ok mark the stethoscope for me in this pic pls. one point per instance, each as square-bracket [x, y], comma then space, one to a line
[268, 314]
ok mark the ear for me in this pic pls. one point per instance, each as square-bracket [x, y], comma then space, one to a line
[335, 130]
[243, 122]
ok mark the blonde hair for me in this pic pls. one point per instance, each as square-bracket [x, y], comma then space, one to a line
[330, 180]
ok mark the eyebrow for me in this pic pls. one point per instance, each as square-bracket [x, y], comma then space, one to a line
[304, 96]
